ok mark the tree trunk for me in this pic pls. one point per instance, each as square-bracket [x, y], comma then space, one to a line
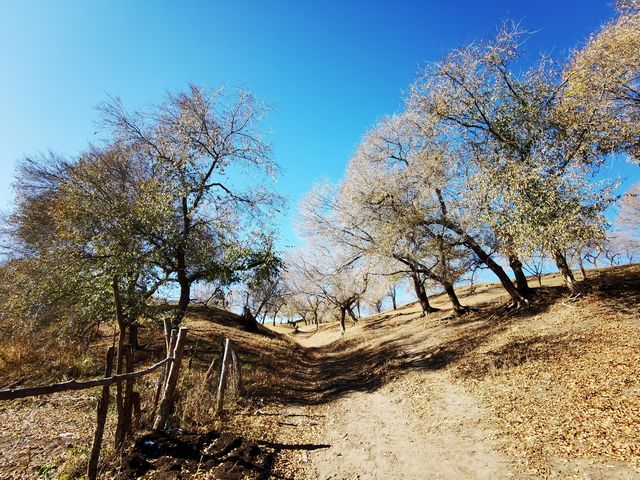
[275, 314]
[353, 317]
[343, 313]
[521, 279]
[506, 282]
[133, 336]
[563, 266]
[249, 321]
[127, 424]
[185, 298]
[451, 293]
[393, 299]
[421, 294]
[581, 265]
[181, 266]
[120, 357]
[103, 406]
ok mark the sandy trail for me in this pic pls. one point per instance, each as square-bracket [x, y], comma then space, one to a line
[386, 434]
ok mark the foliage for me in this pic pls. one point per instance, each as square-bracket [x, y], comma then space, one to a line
[603, 84]
[160, 203]
[528, 162]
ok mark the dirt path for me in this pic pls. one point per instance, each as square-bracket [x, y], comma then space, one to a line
[390, 433]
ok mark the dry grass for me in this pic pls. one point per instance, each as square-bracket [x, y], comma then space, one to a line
[561, 377]
[566, 384]
[33, 360]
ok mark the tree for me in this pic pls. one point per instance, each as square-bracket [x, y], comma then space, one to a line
[603, 83]
[262, 286]
[89, 224]
[197, 143]
[406, 184]
[155, 204]
[328, 274]
[528, 164]
[535, 265]
[629, 213]
[626, 246]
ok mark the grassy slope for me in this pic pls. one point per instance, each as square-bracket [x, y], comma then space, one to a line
[561, 376]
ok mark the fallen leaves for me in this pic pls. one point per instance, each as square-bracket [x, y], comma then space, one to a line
[572, 393]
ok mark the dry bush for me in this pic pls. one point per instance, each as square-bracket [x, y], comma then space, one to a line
[196, 406]
[42, 357]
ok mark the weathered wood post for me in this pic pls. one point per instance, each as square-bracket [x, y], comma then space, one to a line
[223, 372]
[128, 395]
[235, 360]
[103, 405]
[170, 342]
[166, 404]
[167, 335]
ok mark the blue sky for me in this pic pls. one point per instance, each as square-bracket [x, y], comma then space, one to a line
[329, 69]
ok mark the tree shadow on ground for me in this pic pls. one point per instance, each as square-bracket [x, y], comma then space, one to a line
[317, 375]
[179, 454]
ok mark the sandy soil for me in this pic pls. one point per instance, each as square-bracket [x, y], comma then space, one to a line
[383, 434]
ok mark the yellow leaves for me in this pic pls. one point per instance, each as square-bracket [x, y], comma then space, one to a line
[577, 397]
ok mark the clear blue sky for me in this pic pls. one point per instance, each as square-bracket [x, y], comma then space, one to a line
[330, 69]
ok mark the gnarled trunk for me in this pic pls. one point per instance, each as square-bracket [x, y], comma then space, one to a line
[565, 270]
[521, 279]
[421, 294]
[249, 321]
[353, 317]
[185, 297]
[581, 265]
[453, 297]
[475, 247]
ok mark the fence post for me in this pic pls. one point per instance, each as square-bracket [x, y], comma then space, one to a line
[170, 341]
[103, 405]
[223, 371]
[127, 428]
[237, 370]
[167, 335]
[166, 404]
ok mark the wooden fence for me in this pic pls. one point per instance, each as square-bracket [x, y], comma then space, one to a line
[228, 365]
[165, 396]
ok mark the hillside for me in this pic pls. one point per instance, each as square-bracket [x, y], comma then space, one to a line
[548, 391]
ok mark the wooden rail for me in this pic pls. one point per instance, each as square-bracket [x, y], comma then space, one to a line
[15, 393]
[167, 384]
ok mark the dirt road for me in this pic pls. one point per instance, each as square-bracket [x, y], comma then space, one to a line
[390, 434]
